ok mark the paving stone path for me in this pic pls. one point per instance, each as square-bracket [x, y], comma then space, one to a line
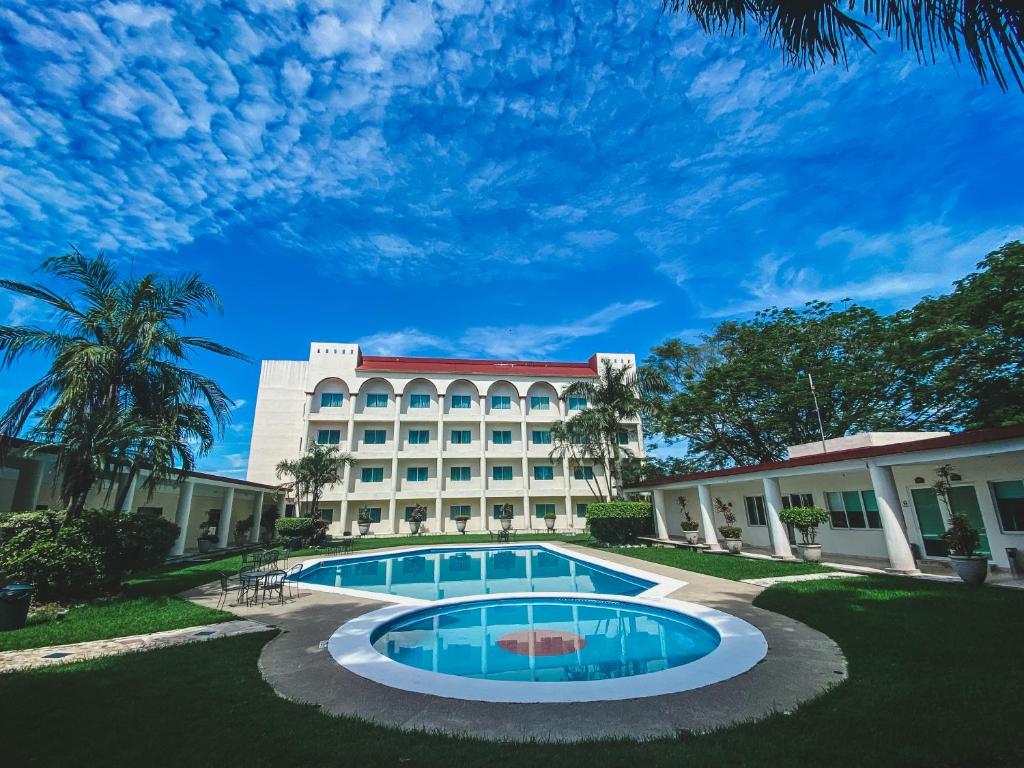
[29, 658]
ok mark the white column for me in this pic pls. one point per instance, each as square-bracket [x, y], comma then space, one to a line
[129, 497]
[224, 523]
[439, 500]
[660, 519]
[346, 472]
[525, 456]
[182, 515]
[901, 559]
[282, 504]
[28, 485]
[485, 522]
[257, 519]
[392, 500]
[707, 517]
[777, 531]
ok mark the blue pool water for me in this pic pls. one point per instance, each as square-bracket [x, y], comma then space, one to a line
[435, 574]
[545, 639]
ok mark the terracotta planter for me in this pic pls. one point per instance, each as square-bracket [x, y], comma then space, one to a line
[691, 536]
[550, 523]
[971, 570]
[810, 552]
[460, 526]
[734, 545]
[364, 528]
[414, 526]
[506, 523]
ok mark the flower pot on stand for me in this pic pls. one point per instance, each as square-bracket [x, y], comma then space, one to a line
[691, 536]
[971, 570]
[460, 526]
[414, 526]
[811, 553]
[733, 546]
[550, 523]
[364, 528]
[506, 523]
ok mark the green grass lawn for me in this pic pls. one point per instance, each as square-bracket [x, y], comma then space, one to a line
[933, 682]
[722, 566]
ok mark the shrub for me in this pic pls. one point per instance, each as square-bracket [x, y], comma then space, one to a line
[688, 523]
[962, 539]
[806, 520]
[730, 530]
[620, 522]
[301, 527]
[81, 558]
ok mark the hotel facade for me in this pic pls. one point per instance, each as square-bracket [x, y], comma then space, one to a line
[460, 437]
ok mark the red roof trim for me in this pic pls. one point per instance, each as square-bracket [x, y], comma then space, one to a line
[972, 437]
[457, 365]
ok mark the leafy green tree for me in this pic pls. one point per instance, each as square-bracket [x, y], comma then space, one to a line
[988, 33]
[966, 349]
[119, 391]
[321, 466]
[741, 395]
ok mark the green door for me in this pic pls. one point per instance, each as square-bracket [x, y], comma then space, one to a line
[929, 517]
[933, 523]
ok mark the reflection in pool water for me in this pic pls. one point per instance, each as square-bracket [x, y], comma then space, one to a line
[437, 574]
[545, 639]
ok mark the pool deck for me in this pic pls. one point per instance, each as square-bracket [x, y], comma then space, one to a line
[801, 664]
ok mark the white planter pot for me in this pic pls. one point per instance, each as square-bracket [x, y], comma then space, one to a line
[971, 570]
[691, 536]
[460, 526]
[506, 524]
[734, 545]
[810, 552]
[550, 523]
[414, 526]
[364, 528]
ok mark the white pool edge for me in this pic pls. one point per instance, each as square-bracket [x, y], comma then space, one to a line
[742, 646]
[663, 585]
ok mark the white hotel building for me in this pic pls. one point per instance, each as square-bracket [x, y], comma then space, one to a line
[461, 437]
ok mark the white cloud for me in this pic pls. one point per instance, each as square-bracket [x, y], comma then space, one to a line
[404, 342]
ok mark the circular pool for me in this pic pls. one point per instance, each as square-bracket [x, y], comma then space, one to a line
[548, 647]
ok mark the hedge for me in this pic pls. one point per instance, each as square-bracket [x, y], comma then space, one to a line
[620, 522]
[294, 526]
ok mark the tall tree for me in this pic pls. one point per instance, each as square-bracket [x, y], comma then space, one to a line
[119, 391]
[988, 33]
[321, 466]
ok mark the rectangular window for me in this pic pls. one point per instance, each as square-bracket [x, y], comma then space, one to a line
[459, 510]
[791, 500]
[372, 474]
[375, 436]
[540, 437]
[581, 510]
[1010, 504]
[501, 437]
[327, 515]
[377, 400]
[543, 472]
[374, 513]
[577, 403]
[583, 473]
[856, 510]
[328, 436]
[501, 473]
[539, 403]
[331, 399]
[461, 437]
[622, 437]
[462, 401]
[501, 402]
[417, 474]
[756, 514]
[462, 474]
[499, 509]
[540, 510]
[419, 436]
[419, 401]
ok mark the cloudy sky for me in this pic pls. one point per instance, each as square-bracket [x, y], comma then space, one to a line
[494, 179]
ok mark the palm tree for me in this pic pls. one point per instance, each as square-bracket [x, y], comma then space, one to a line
[568, 440]
[318, 468]
[118, 392]
[989, 33]
[615, 398]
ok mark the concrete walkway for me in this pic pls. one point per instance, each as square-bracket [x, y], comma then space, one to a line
[801, 664]
[30, 658]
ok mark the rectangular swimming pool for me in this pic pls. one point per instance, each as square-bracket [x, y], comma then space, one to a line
[436, 574]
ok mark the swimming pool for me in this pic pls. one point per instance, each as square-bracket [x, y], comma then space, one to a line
[547, 647]
[440, 573]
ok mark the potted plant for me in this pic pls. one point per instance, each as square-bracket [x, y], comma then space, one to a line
[208, 531]
[806, 520]
[506, 517]
[364, 521]
[416, 518]
[242, 529]
[689, 525]
[549, 521]
[962, 539]
[460, 523]
[731, 533]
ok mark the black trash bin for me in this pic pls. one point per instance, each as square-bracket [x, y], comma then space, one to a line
[14, 602]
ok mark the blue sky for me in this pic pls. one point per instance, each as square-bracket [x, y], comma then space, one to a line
[506, 179]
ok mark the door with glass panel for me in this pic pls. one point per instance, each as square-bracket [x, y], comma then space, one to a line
[932, 521]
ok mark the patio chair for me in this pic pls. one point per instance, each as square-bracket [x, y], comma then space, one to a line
[227, 587]
[273, 582]
[292, 580]
[270, 558]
